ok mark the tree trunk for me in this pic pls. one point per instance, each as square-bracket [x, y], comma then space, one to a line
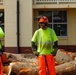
[61, 57]
[22, 68]
[27, 64]
[68, 68]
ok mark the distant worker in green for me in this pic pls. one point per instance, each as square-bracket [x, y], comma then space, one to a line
[1, 36]
[3, 56]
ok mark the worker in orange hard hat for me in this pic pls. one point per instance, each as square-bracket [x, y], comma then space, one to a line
[45, 46]
[43, 19]
[43, 22]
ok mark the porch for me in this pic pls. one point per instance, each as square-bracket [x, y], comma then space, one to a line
[54, 1]
[54, 4]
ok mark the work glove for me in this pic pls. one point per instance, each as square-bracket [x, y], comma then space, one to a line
[35, 52]
[54, 51]
[55, 48]
[34, 49]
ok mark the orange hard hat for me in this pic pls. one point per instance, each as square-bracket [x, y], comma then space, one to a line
[43, 19]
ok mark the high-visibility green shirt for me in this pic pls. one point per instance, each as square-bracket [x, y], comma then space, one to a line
[44, 40]
[1, 33]
[0, 45]
[1, 36]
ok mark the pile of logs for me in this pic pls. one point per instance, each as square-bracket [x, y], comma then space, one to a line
[27, 64]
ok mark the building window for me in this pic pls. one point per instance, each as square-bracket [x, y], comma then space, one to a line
[2, 19]
[57, 21]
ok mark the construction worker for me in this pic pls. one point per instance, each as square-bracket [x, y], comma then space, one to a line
[45, 46]
[1, 36]
[1, 50]
[3, 56]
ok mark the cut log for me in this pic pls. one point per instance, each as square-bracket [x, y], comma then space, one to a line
[21, 57]
[21, 68]
[64, 56]
[20, 61]
[61, 57]
[66, 68]
[27, 64]
[32, 69]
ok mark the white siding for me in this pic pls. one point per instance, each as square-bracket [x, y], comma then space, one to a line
[11, 23]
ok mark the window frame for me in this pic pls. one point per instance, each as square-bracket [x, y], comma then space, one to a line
[52, 23]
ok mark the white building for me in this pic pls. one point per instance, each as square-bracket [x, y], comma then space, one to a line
[20, 25]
